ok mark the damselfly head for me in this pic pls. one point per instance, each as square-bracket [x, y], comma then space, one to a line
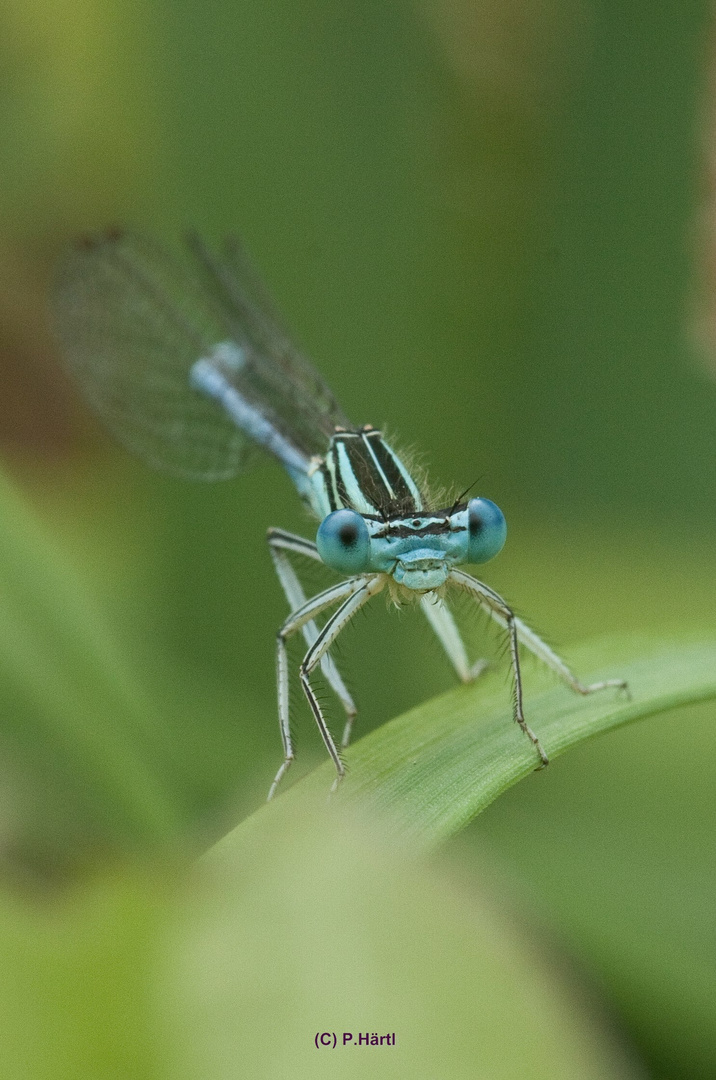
[418, 551]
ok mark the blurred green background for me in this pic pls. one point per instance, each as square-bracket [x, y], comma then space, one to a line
[480, 218]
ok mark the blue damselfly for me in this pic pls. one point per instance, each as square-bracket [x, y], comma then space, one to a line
[191, 368]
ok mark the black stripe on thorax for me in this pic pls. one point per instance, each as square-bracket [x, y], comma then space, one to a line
[328, 484]
[386, 461]
[376, 472]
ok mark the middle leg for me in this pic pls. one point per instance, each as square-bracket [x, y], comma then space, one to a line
[441, 620]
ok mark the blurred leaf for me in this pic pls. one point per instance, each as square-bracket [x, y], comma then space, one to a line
[73, 713]
[617, 853]
[306, 926]
[435, 768]
[65, 68]
[132, 973]
[79, 977]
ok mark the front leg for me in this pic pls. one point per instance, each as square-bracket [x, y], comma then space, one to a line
[520, 633]
[281, 542]
[296, 621]
[368, 587]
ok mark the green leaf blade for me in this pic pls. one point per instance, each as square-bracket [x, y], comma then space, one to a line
[433, 769]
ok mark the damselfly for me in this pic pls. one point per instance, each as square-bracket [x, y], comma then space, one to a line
[191, 368]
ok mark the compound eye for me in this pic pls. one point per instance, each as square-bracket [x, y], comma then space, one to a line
[487, 530]
[343, 542]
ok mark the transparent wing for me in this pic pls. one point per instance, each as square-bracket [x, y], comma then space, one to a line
[304, 407]
[132, 323]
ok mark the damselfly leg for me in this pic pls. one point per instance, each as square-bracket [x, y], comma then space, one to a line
[440, 618]
[280, 544]
[520, 634]
[354, 593]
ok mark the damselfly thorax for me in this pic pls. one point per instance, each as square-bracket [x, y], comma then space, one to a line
[192, 369]
[361, 472]
[375, 518]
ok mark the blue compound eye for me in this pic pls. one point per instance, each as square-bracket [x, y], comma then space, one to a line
[343, 542]
[487, 530]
